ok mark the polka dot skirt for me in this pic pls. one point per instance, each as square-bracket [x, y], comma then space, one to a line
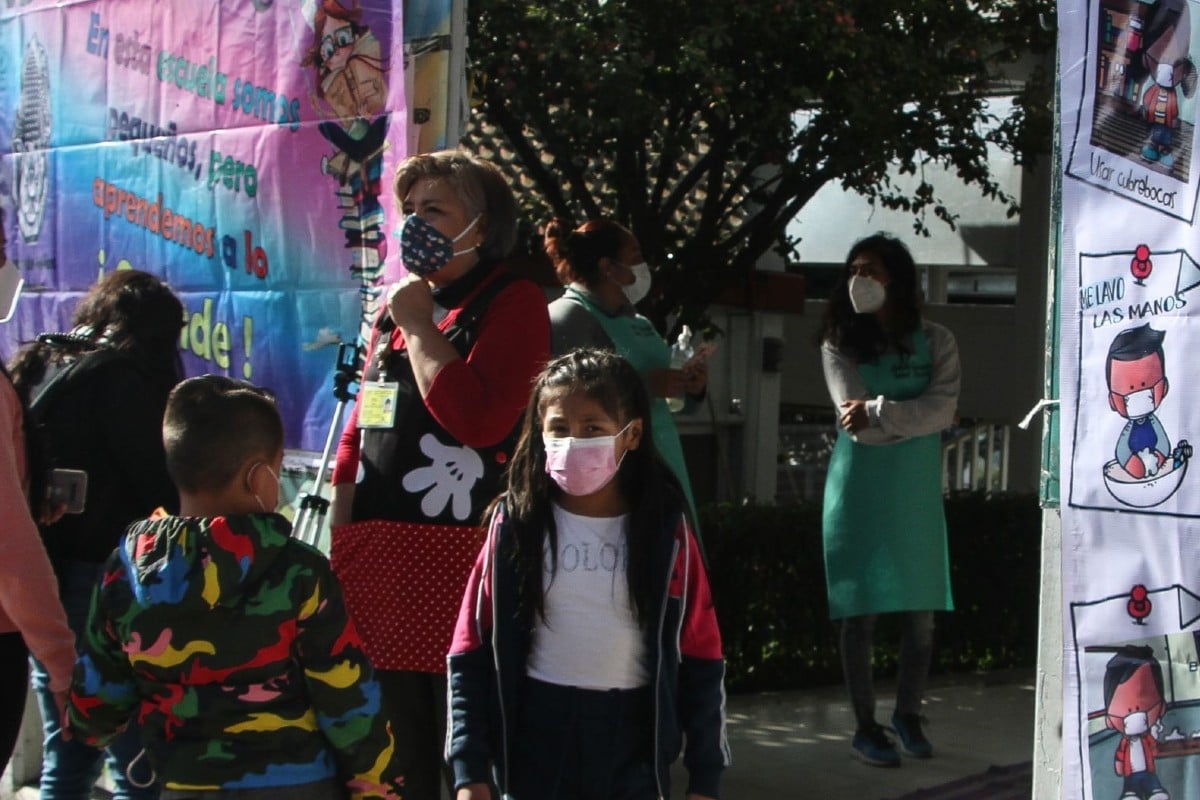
[404, 583]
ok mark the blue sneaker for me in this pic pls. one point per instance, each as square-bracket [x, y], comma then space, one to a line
[872, 746]
[912, 739]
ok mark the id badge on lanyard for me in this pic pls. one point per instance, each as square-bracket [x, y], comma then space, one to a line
[378, 398]
[378, 409]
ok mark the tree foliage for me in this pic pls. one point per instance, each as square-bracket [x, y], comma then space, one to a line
[706, 125]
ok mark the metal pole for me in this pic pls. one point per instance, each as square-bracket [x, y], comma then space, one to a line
[313, 507]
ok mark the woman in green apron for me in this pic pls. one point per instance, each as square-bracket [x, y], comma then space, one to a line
[601, 265]
[894, 380]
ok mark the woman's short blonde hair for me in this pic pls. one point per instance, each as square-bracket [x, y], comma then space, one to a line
[479, 184]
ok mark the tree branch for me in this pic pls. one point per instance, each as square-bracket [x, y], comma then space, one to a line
[668, 158]
[545, 129]
[549, 184]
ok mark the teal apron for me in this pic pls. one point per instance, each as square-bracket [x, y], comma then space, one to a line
[883, 522]
[636, 340]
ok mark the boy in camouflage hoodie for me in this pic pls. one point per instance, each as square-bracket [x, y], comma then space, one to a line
[225, 636]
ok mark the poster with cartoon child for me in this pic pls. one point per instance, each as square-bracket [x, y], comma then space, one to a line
[1127, 331]
[1131, 448]
[1136, 129]
[1141, 716]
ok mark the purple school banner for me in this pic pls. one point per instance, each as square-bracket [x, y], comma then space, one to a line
[237, 149]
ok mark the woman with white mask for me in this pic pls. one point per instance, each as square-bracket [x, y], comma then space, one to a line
[601, 264]
[894, 380]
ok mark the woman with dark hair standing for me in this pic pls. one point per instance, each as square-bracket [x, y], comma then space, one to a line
[894, 380]
[99, 394]
[448, 372]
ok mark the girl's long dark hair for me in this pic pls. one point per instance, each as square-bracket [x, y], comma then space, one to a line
[861, 336]
[648, 486]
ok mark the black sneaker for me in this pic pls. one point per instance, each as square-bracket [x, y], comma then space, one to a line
[872, 746]
[912, 739]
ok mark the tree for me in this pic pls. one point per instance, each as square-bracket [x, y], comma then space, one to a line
[706, 125]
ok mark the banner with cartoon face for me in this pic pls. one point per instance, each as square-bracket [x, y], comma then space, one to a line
[1129, 314]
[238, 149]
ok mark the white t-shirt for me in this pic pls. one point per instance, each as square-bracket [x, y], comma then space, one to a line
[590, 637]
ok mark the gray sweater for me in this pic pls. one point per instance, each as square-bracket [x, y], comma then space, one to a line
[896, 420]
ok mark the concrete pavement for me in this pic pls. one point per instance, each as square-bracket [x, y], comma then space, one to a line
[797, 743]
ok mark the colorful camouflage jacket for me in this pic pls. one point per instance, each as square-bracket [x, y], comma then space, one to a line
[231, 643]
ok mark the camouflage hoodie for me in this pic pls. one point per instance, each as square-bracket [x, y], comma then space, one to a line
[231, 643]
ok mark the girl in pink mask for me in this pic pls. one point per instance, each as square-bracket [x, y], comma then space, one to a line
[587, 648]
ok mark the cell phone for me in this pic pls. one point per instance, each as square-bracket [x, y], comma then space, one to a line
[68, 487]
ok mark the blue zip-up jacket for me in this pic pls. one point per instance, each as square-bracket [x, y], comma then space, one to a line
[488, 657]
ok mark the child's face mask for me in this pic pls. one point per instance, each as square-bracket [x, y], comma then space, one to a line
[582, 466]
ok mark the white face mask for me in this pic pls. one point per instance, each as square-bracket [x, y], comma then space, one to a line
[1139, 404]
[867, 295]
[1137, 723]
[1164, 76]
[640, 287]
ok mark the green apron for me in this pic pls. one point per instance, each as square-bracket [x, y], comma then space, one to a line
[635, 339]
[883, 521]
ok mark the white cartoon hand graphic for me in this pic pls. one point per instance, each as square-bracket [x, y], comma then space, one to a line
[449, 477]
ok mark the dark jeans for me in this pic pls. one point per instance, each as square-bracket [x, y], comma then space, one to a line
[916, 650]
[578, 744]
[14, 682]
[417, 702]
[70, 768]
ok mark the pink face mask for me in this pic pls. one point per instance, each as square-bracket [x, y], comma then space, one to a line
[582, 466]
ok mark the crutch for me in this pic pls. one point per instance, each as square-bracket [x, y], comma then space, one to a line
[310, 519]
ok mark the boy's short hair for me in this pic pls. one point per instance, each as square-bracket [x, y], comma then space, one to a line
[212, 425]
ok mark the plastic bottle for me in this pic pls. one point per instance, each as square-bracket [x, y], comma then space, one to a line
[681, 353]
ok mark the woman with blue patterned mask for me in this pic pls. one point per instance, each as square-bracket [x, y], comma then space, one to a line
[447, 376]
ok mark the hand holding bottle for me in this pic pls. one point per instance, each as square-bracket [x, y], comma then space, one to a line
[681, 354]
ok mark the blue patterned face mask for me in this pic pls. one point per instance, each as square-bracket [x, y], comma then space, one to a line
[424, 249]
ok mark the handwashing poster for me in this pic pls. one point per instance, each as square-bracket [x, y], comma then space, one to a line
[1130, 428]
[239, 149]
[1129, 306]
